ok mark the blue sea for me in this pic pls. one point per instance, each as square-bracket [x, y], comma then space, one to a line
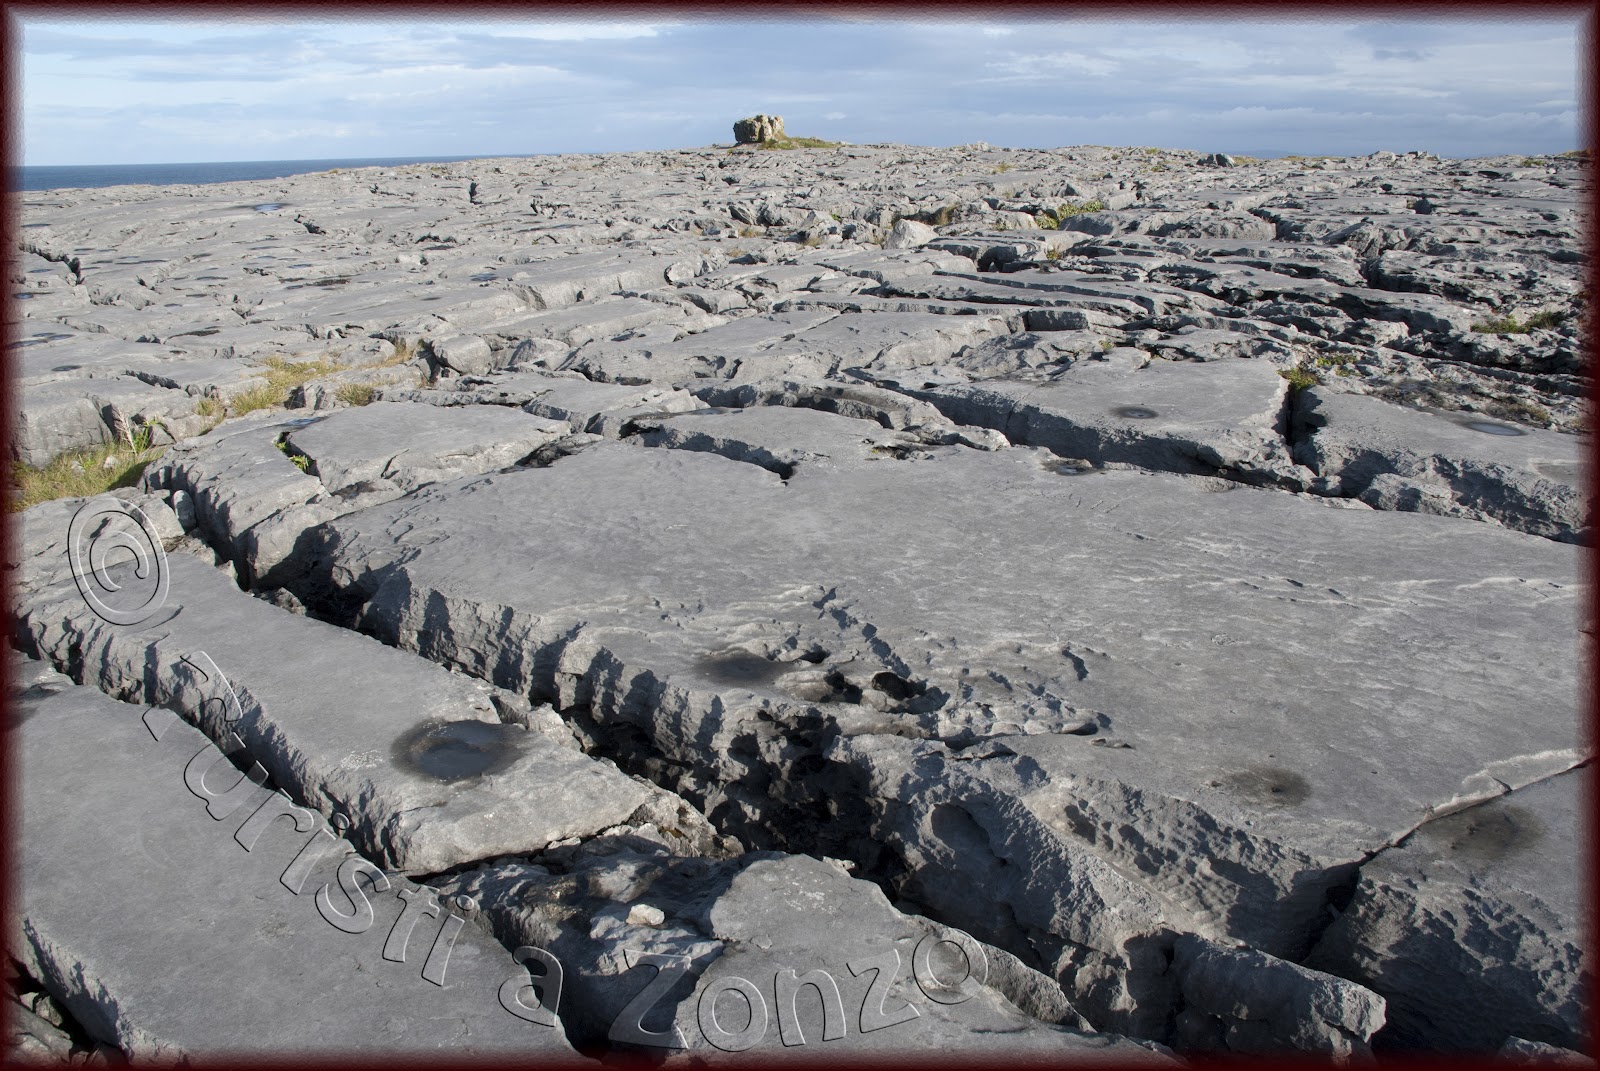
[94, 175]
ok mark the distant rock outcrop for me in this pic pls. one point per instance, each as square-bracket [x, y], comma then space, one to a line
[758, 128]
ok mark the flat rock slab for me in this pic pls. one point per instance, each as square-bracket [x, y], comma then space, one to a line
[163, 934]
[1190, 625]
[1464, 464]
[779, 438]
[392, 445]
[717, 352]
[873, 339]
[1481, 909]
[414, 756]
[1210, 418]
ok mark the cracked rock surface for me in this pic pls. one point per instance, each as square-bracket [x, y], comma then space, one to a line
[822, 602]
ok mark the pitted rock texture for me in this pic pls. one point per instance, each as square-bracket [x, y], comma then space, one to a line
[829, 602]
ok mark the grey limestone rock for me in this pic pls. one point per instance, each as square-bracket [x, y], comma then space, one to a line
[758, 128]
[950, 514]
[151, 961]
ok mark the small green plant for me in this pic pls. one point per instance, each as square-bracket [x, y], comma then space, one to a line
[1300, 377]
[1053, 253]
[300, 461]
[210, 406]
[1001, 168]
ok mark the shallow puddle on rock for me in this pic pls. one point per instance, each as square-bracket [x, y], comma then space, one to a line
[1490, 427]
[1134, 412]
[740, 669]
[1483, 834]
[457, 750]
[1267, 784]
[1563, 471]
[271, 206]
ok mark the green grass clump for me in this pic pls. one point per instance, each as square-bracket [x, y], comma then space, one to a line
[792, 143]
[1521, 410]
[1051, 220]
[1510, 325]
[357, 393]
[1339, 362]
[1299, 378]
[82, 473]
[283, 375]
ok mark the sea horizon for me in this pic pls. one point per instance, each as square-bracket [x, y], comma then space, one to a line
[25, 178]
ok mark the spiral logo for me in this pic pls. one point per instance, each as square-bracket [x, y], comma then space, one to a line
[105, 534]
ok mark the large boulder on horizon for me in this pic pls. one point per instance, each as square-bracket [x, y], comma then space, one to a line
[758, 128]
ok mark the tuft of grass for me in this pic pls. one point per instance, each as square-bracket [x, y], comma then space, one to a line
[283, 376]
[1053, 253]
[751, 232]
[1521, 410]
[82, 473]
[1001, 168]
[1299, 378]
[1510, 325]
[357, 393]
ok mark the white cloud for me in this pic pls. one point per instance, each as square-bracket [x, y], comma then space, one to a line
[1053, 64]
[835, 116]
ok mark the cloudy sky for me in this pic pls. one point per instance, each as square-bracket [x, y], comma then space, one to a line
[184, 90]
